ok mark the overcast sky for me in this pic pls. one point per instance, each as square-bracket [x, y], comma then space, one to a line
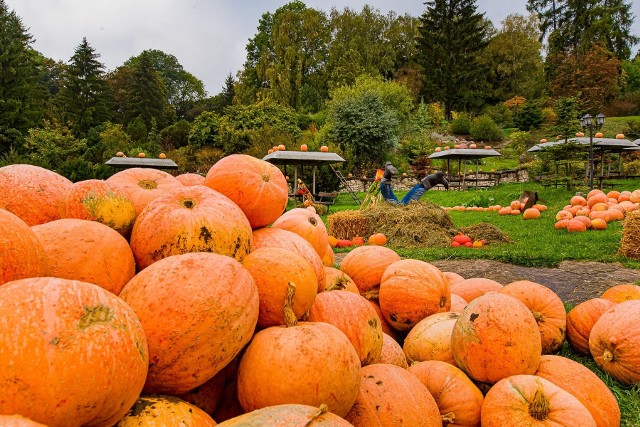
[207, 36]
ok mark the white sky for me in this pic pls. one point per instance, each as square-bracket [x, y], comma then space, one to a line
[208, 37]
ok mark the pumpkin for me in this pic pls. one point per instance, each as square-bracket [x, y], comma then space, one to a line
[324, 149]
[229, 406]
[459, 400]
[166, 411]
[531, 213]
[457, 303]
[597, 198]
[282, 147]
[576, 226]
[18, 421]
[22, 253]
[310, 363]
[585, 220]
[452, 277]
[390, 396]
[386, 328]
[257, 186]
[540, 207]
[528, 400]
[87, 251]
[578, 201]
[193, 333]
[285, 239]
[357, 241]
[329, 258]
[100, 201]
[620, 136]
[392, 352]
[581, 319]
[304, 147]
[547, 308]
[615, 344]
[337, 280]
[142, 185]
[32, 193]
[472, 288]
[598, 224]
[584, 385]
[351, 314]
[142, 155]
[411, 290]
[561, 225]
[563, 214]
[622, 293]
[188, 179]
[190, 219]
[162, 156]
[77, 351]
[208, 395]
[365, 266]
[286, 283]
[332, 241]
[496, 336]
[430, 339]
[307, 225]
[288, 415]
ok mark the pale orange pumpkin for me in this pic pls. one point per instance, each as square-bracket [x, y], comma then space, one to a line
[452, 277]
[598, 224]
[564, 214]
[306, 224]
[288, 415]
[304, 147]
[430, 339]
[142, 185]
[531, 213]
[576, 226]
[165, 410]
[457, 303]
[581, 319]
[22, 252]
[338, 280]
[561, 225]
[366, 264]
[188, 179]
[324, 149]
[474, 287]
[377, 239]
[392, 352]
[578, 201]
[622, 293]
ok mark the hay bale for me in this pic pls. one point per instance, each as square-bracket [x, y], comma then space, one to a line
[348, 224]
[630, 242]
[489, 232]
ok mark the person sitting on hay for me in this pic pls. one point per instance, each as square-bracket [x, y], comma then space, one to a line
[425, 184]
[386, 188]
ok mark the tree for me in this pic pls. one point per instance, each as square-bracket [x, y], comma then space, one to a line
[84, 94]
[550, 14]
[452, 35]
[566, 111]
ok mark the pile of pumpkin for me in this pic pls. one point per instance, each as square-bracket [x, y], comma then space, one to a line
[516, 207]
[596, 210]
[124, 300]
[375, 239]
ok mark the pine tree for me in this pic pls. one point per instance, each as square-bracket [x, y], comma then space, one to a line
[147, 94]
[452, 35]
[229, 90]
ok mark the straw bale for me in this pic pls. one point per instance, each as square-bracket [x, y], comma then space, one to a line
[487, 231]
[348, 224]
[630, 242]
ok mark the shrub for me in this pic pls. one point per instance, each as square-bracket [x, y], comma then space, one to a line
[461, 125]
[529, 117]
[500, 114]
[484, 128]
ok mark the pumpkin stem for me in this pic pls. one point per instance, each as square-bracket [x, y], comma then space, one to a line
[313, 221]
[372, 295]
[188, 203]
[340, 284]
[290, 318]
[323, 409]
[148, 184]
[538, 316]
[539, 406]
[449, 418]
[265, 177]
[607, 356]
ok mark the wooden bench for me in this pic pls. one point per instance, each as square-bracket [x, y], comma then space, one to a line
[327, 199]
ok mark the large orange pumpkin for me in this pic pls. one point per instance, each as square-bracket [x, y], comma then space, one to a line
[22, 253]
[452, 277]
[337, 280]
[97, 200]
[457, 397]
[198, 310]
[188, 179]
[614, 342]
[165, 411]
[329, 257]
[547, 308]
[32, 193]
[286, 283]
[392, 352]
[277, 238]
[310, 363]
[622, 293]
[142, 185]
[208, 395]
[411, 290]
[471, 289]
[352, 314]
[528, 400]
[87, 251]
[584, 385]
[457, 303]
[390, 396]
[308, 225]
[75, 350]
[496, 336]
[190, 219]
[366, 264]
[430, 339]
[257, 186]
[18, 421]
[581, 319]
[288, 415]
[386, 328]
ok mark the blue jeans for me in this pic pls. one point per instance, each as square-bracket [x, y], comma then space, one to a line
[414, 194]
[387, 193]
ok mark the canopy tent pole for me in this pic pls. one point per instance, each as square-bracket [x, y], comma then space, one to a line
[464, 175]
[295, 180]
[476, 174]
[314, 178]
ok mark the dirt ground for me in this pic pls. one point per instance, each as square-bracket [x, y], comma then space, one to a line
[573, 281]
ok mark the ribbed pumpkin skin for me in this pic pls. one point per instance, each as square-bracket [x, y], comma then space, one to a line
[615, 343]
[411, 290]
[77, 353]
[495, 337]
[257, 186]
[142, 185]
[309, 364]
[22, 253]
[547, 309]
[32, 193]
[339, 280]
[273, 269]
[188, 179]
[190, 219]
[390, 396]
[287, 415]
[470, 289]
[353, 315]
[198, 310]
[18, 421]
[285, 239]
[581, 319]
[97, 200]
[584, 385]
[386, 328]
[306, 224]
[458, 303]
[511, 398]
[208, 395]
[87, 251]
[392, 352]
[165, 411]
[459, 400]
[430, 339]
[622, 293]
[366, 264]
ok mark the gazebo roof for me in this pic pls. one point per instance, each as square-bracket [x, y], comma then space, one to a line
[611, 144]
[314, 158]
[465, 153]
[136, 162]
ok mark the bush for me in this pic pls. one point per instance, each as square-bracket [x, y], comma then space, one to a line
[529, 117]
[500, 114]
[484, 128]
[461, 125]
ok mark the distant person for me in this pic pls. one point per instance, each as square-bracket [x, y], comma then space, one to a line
[425, 184]
[386, 186]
